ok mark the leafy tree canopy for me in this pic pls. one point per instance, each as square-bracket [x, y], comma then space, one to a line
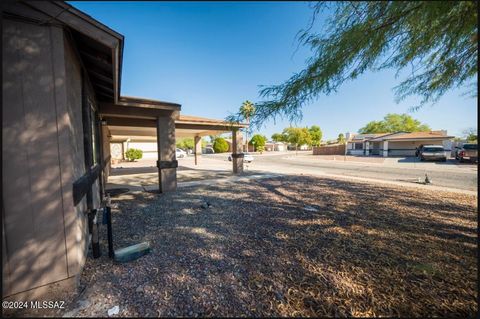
[471, 135]
[258, 140]
[394, 123]
[220, 145]
[278, 137]
[341, 138]
[315, 135]
[297, 136]
[185, 143]
[435, 41]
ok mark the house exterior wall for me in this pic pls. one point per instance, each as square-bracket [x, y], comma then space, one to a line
[149, 149]
[32, 194]
[351, 148]
[116, 149]
[44, 233]
[280, 147]
[76, 226]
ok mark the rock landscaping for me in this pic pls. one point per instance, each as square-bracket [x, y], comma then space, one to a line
[288, 246]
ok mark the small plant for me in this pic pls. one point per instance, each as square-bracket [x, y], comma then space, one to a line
[133, 154]
[220, 145]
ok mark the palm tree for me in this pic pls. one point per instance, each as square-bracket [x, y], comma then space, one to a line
[247, 110]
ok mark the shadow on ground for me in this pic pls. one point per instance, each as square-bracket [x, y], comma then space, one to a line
[290, 246]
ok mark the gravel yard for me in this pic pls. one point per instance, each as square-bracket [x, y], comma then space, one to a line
[289, 246]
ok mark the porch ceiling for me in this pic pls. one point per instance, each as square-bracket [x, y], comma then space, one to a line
[121, 133]
[122, 128]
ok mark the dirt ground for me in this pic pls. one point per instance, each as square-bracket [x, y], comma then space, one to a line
[288, 246]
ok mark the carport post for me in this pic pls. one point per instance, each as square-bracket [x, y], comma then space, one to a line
[237, 155]
[367, 148]
[197, 148]
[166, 163]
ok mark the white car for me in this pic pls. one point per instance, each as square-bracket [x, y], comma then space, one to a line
[179, 153]
[246, 157]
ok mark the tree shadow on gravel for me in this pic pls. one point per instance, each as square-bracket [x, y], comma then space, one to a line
[290, 246]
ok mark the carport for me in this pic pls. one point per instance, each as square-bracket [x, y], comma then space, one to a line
[151, 120]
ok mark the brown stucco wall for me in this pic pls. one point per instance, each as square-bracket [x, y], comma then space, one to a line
[329, 150]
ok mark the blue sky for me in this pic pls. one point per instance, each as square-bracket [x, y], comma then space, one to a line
[212, 56]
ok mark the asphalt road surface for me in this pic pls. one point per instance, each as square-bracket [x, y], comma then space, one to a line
[447, 175]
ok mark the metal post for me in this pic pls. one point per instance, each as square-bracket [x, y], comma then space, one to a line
[93, 223]
[159, 150]
[108, 213]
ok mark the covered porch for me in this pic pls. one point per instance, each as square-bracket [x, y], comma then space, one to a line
[160, 124]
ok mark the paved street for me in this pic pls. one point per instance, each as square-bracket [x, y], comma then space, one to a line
[453, 175]
[450, 174]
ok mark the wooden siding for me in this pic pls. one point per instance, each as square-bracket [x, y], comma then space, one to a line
[32, 193]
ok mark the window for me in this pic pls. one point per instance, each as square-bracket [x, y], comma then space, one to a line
[358, 146]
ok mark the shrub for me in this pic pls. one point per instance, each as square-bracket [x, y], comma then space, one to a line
[258, 140]
[133, 154]
[220, 145]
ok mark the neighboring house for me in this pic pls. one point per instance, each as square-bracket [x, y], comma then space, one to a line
[355, 142]
[61, 108]
[395, 144]
[271, 146]
[303, 147]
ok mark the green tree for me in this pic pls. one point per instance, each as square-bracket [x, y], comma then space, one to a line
[258, 141]
[185, 143]
[247, 110]
[374, 127]
[315, 134]
[471, 135]
[297, 136]
[434, 42]
[213, 137]
[220, 145]
[394, 123]
[278, 137]
[341, 138]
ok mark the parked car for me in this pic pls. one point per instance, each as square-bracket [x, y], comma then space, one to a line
[208, 150]
[432, 152]
[247, 157]
[179, 153]
[467, 152]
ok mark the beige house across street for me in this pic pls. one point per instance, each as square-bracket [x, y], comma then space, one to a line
[395, 144]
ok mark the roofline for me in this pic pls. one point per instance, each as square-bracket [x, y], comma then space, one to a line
[224, 123]
[148, 103]
[110, 39]
[207, 121]
[89, 19]
[423, 138]
[386, 134]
